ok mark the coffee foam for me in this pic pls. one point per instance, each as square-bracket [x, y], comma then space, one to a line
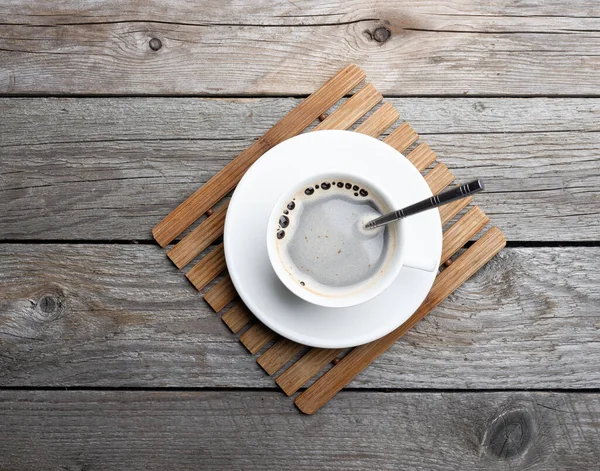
[322, 242]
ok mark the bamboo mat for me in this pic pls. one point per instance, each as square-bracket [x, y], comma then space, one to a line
[291, 364]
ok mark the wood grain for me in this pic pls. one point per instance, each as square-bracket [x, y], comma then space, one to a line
[422, 156]
[462, 231]
[124, 316]
[112, 168]
[402, 137]
[407, 48]
[496, 16]
[139, 430]
[207, 269]
[221, 294]
[359, 358]
[379, 121]
[227, 178]
[200, 238]
[298, 374]
[352, 109]
[449, 211]
[237, 317]
[256, 337]
[438, 178]
[278, 355]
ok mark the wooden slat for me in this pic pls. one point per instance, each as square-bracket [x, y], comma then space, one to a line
[439, 178]
[237, 317]
[352, 110]
[278, 355]
[196, 241]
[208, 268]
[421, 156]
[360, 357]
[305, 368]
[256, 337]
[462, 231]
[223, 182]
[448, 211]
[402, 138]
[221, 294]
[379, 121]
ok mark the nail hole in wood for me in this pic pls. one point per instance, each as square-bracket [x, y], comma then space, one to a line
[155, 44]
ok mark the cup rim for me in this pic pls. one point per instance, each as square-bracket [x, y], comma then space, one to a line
[377, 287]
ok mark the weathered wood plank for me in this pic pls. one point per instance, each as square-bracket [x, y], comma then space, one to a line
[113, 168]
[140, 430]
[496, 15]
[410, 48]
[73, 120]
[123, 315]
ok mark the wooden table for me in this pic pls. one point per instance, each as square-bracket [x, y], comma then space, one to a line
[112, 112]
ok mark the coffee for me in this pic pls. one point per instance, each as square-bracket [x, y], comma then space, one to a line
[322, 243]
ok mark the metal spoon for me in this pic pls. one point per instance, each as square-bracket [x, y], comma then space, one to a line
[445, 197]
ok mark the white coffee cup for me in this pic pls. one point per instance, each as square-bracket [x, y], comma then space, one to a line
[379, 282]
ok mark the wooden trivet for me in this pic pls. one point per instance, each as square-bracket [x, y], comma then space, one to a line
[294, 365]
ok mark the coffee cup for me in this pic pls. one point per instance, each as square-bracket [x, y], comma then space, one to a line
[319, 248]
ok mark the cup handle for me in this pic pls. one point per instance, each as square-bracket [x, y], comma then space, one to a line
[420, 263]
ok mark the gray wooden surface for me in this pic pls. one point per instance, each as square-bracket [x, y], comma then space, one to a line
[120, 315]
[251, 47]
[109, 359]
[257, 430]
[112, 168]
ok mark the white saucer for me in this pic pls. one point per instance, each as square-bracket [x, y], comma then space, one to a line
[246, 251]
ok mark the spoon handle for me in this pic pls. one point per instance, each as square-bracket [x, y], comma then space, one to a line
[445, 197]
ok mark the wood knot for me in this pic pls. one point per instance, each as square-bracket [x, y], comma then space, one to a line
[381, 34]
[510, 434]
[50, 307]
[478, 107]
[155, 44]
